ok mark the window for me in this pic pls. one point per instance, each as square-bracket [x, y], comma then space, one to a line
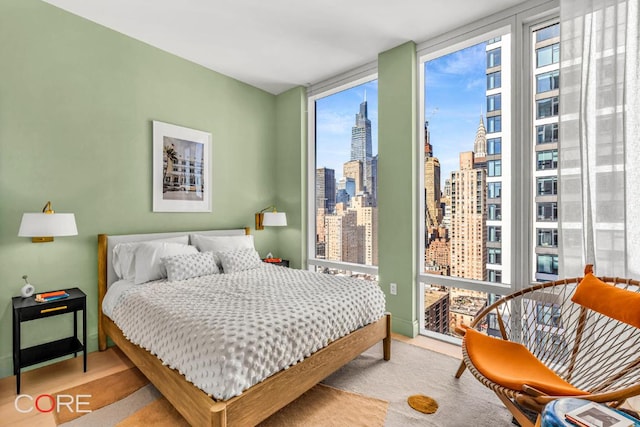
[469, 241]
[494, 80]
[495, 256]
[547, 186]
[494, 212]
[346, 180]
[547, 237]
[493, 58]
[547, 107]
[495, 276]
[494, 124]
[549, 314]
[494, 234]
[547, 81]
[547, 159]
[494, 146]
[548, 55]
[547, 133]
[493, 102]
[547, 264]
[547, 33]
[494, 167]
[494, 190]
[462, 244]
[547, 211]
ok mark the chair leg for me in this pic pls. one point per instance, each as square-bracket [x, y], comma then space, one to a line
[460, 370]
[516, 412]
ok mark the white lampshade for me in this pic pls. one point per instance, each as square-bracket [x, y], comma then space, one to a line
[48, 225]
[274, 219]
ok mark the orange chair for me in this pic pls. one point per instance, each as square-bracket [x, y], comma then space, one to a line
[575, 337]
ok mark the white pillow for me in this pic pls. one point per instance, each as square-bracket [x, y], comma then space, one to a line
[148, 259]
[240, 260]
[221, 243]
[123, 256]
[218, 244]
[181, 267]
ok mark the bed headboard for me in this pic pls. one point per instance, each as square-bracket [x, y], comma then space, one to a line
[106, 273]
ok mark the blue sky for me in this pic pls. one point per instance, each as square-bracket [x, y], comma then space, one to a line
[455, 87]
[335, 116]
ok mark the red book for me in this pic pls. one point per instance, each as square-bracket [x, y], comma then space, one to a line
[52, 294]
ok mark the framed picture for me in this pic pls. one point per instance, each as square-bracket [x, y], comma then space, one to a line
[181, 169]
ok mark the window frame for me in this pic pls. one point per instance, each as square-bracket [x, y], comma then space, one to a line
[345, 81]
[520, 21]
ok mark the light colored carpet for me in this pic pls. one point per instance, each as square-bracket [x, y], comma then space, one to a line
[411, 370]
[414, 370]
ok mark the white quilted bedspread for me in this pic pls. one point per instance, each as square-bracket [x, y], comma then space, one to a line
[227, 332]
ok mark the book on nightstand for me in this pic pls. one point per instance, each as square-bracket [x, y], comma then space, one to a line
[597, 415]
[51, 296]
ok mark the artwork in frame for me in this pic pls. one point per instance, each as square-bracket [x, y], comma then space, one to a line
[181, 169]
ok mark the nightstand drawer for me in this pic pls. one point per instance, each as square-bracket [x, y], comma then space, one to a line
[46, 309]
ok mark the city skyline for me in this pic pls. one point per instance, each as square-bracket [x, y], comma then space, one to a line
[453, 105]
[455, 97]
[335, 117]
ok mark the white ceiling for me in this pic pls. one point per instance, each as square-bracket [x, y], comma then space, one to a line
[279, 44]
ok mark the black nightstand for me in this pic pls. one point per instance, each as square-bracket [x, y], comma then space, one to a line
[284, 263]
[25, 309]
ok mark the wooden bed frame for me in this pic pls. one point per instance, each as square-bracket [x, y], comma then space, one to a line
[254, 404]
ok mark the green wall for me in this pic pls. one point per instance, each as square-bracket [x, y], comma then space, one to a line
[291, 173]
[397, 151]
[76, 105]
[77, 102]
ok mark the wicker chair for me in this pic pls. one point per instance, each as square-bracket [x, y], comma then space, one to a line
[563, 344]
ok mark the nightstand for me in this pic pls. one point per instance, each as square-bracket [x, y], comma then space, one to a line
[25, 309]
[284, 263]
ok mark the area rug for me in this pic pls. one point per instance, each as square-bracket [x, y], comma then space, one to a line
[414, 370]
[411, 370]
[322, 406]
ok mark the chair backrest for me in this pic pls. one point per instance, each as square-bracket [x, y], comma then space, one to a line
[591, 350]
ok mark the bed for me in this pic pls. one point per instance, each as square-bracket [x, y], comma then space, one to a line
[253, 404]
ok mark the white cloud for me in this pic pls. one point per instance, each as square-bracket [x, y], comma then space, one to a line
[331, 122]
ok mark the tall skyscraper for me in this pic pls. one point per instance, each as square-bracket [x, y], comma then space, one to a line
[468, 216]
[489, 143]
[354, 170]
[371, 184]
[431, 184]
[345, 190]
[325, 189]
[351, 227]
[343, 242]
[480, 144]
[361, 146]
[546, 133]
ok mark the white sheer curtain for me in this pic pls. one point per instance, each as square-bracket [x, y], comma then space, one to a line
[599, 148]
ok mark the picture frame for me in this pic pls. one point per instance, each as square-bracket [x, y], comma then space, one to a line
[181, 169]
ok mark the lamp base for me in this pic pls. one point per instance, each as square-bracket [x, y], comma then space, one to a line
[41, 239]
